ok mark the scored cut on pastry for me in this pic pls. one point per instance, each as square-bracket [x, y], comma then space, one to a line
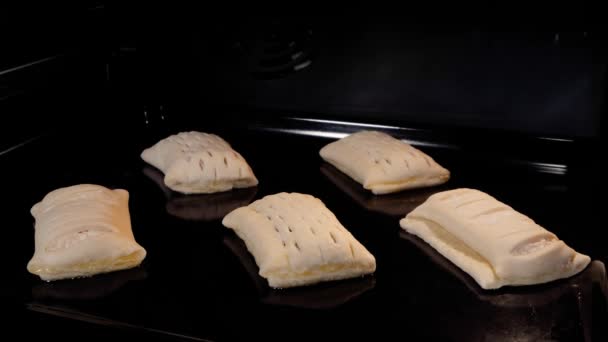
[489, 240]
[382, 163]
[83, 230]
[295, 240]
[196, 162]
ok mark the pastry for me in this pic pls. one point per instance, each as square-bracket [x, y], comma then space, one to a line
[490, 241]
[195, 162]
[201, 207]
[504, 297]
[81, 231]
[295, 240]
[382, 163]
[329, 296]
[396, 204]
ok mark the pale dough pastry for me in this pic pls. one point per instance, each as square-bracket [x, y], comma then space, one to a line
[513, 298]
[83, 230]
[382, 163]
[195, 162]
[201, 207]
[325, 297]
[490, 241]
[396, 205]
[295, 240]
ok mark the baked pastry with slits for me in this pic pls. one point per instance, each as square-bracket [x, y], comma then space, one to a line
[195, 162]
[295, 240]
[382, 163]
[490, 241]
[83, 230]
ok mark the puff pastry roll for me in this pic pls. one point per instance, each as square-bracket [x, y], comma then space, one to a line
[195, 162]
[382, 163]
[396, 205]
[83, 230]
[295, 240]
[325, 297]
[201, 207]
[490, 241]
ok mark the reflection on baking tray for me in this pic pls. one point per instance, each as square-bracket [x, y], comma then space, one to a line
[396, 204]
[205, 207]
[325, 295]
[588, 290]
[98, 286]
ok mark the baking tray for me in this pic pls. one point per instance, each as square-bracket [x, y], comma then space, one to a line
[198, 282]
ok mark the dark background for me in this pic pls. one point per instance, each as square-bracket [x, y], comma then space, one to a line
[413, 68]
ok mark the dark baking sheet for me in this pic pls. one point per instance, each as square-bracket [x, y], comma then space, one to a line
[198, 281]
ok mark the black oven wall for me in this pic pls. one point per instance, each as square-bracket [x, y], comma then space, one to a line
[120, 63]
[53, 69]
[535, 80]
